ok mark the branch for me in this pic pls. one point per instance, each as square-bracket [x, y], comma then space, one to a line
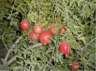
[88, 44]
[14, 58]
[11, 60]
[5, 45]
[11, 48]
[36, 45]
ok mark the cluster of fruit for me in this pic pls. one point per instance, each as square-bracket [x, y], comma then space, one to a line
[38, 33]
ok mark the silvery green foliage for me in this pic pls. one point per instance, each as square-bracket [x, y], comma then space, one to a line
[79, 16]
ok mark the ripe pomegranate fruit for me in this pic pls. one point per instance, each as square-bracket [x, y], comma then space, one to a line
[24, 25]
[45, 37]
[33, 36]
[64, 48]
[38, 29]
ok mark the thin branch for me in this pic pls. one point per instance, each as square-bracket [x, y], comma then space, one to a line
[12, 60]
[88, 44]
[5, 45]
[11, 48]
[36, 45]
[7, 55]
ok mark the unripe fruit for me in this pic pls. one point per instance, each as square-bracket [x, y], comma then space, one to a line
[52, 29]
[62, 30]
[75, 66]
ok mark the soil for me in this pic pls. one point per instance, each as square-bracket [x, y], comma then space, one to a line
[3, 51]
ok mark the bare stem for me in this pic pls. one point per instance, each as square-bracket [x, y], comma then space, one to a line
[88, 44]
[11, 48]
[5, 45]
[36, 45]
[12, 60]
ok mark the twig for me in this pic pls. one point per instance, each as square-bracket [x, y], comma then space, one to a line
[88, 44]
[36, 45]
[10, 15]
[14, 58]
[11, 60]
[17, 41]
[7, 55]
[11, 48]
[4, 41]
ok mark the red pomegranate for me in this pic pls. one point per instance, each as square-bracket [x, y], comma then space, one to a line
[33, 36]
[45, 37]
[24, 25]
[75, 66]
[64, 48]
[38, 29]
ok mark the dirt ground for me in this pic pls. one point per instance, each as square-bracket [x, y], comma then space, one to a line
[2, 51]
